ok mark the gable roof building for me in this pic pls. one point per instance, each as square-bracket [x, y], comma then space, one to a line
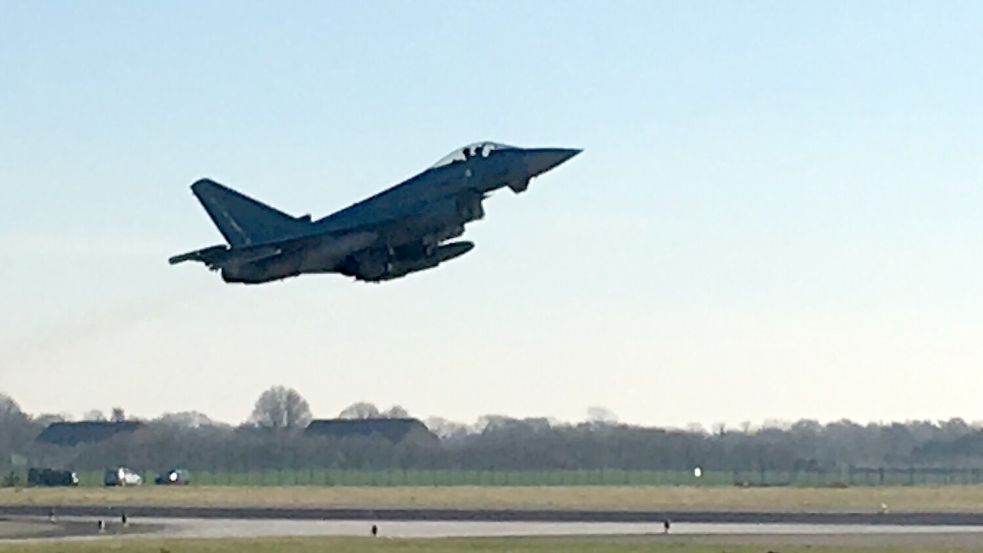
[74, 433]
[393, 430]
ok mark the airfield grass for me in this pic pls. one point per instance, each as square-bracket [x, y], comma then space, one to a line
[453, 477]
[941, 499]
[368, 545]
[601, 477]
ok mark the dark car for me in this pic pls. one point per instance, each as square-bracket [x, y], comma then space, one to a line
[174, 477]
[51, 477]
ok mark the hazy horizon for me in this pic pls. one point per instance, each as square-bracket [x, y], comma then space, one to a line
[776, 214]
[588, 417]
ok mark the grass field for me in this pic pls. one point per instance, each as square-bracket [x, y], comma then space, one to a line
[365, 545]
[332, 477]
[667, 498]
[606, 477]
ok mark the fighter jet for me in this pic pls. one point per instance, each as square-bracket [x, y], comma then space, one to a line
[401, 230]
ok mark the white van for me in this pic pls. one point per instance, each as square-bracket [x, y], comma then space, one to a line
[122, 476]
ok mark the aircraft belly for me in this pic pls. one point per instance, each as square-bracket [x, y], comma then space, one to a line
[267, 270]
[432, 224]
[330, 251]
[377, 267]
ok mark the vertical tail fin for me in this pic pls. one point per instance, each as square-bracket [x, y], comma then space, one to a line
[242, 220]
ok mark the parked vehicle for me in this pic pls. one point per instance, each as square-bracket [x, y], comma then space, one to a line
[51, 477]
[174, 477]
[122, 476]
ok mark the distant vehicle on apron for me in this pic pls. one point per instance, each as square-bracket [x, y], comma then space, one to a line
[51, 477]
[122, 476]
[173, 477]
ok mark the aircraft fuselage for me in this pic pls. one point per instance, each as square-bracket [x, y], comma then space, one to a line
[393, 233]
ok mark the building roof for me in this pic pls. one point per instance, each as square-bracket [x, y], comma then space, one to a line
[74, 433]
[394, 430]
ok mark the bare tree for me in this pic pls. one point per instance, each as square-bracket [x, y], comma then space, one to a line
[601, 415]
[187, 419]
[45, 419]
[491, 422]
[119, 415]
[696, 428]
[281, 407]
[359, 410]
[94, 415]
[446, 429]
[9, 410]
[396, 412]
[17, 430]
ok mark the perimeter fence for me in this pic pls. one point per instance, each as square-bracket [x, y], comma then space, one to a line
[848, 476]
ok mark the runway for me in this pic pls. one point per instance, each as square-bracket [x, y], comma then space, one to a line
[224, 528]
[504, 515]
[21, 529]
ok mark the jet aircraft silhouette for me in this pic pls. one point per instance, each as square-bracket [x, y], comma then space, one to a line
[398, 231]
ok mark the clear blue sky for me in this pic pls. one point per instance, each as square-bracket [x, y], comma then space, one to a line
[777, 213]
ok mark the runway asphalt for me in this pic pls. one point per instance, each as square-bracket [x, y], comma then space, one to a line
[32, 528]
[511, 515]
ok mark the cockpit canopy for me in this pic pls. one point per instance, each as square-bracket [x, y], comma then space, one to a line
[483, 149]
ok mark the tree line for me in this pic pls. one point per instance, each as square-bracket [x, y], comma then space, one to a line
[272, 440]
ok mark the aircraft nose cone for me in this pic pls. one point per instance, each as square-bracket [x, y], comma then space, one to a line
[541, 160]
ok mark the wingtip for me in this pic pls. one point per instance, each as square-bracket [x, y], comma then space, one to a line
[204, 182]
[205, 255]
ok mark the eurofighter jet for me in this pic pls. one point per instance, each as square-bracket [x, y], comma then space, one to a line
[404, 229]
